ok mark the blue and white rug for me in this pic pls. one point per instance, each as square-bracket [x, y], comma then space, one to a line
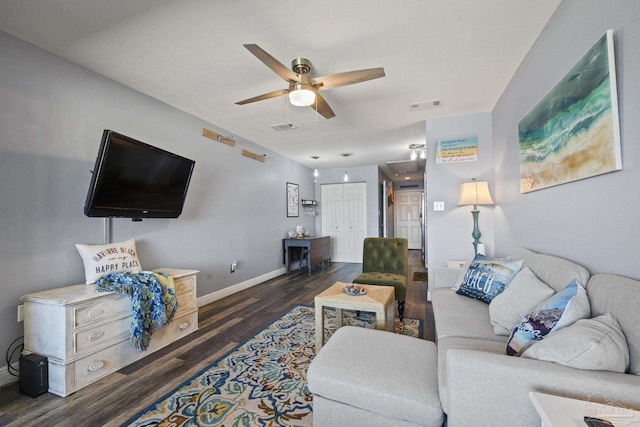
[262, 382]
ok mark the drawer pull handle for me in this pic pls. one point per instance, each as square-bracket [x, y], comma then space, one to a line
[96, 336]
[96, 366]
[96, 312]
[183, 326]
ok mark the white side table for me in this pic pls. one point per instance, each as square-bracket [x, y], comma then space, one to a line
[558, 411]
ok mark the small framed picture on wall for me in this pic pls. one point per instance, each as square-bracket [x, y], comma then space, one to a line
[292, 200]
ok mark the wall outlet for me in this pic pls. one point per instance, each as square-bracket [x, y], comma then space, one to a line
[234, 266]
[20, 313]
[438, 206]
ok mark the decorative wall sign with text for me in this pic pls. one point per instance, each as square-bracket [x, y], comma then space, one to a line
[457, 150]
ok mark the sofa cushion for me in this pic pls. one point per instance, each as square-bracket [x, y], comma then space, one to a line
[620, 296]
[398, 281]
[521, 297]
[597, 344]
[100, 260]
[487, 277]
[380, 372]
[562, 309]
[458, 316]
[465, 343]
[554, 271]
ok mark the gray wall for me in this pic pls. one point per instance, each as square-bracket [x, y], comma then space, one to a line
[52, 114]
[594, 221]
[449, 231]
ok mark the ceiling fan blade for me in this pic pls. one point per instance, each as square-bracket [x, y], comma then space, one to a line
[322, 107]
[348, 78]
[269, 95]
[271, 62]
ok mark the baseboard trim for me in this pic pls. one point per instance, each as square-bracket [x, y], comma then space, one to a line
[230, 290]
[5, 376]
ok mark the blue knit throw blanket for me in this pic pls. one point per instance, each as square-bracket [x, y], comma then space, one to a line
[154, 303]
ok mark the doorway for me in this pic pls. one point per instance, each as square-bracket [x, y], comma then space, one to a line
[408, 218]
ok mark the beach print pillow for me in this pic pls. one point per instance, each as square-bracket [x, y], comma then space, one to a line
[487, 277]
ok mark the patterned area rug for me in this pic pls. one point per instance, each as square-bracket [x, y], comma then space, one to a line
[262, 382]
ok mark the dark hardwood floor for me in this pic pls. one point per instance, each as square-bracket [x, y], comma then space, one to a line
[222, 325]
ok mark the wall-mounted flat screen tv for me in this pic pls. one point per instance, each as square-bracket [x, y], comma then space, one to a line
[132, 179]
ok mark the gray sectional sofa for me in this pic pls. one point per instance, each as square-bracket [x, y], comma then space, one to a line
[480, 385]
[374, 378]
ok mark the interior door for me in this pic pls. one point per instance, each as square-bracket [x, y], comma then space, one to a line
[407, 217]
[332, 212]
[344, 219]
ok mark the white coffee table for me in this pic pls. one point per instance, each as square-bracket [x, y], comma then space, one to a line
[378, 299]
[558, 411]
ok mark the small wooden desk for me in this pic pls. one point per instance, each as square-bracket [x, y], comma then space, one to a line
[319, 250]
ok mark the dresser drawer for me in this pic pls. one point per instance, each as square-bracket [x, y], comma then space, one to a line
[104, 308]
[185, 284]
[100, 335]
[186, 295]
[104, 362]
[178, 328]
[186, 303]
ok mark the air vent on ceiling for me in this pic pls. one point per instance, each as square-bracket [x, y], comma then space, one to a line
[434, 103]
[284, 126]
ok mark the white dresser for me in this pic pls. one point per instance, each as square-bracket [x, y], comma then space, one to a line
[85, 334]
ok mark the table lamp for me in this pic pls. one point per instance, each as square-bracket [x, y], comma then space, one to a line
[475, 193]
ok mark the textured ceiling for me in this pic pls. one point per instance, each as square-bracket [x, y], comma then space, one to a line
[189, 54]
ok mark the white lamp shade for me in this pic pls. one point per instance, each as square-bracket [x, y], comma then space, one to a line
[475, 193]
[301, 96]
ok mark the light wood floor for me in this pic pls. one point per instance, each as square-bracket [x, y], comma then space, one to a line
[222, 325]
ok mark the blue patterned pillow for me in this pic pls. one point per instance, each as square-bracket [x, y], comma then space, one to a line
[487, 277]
[562, 309]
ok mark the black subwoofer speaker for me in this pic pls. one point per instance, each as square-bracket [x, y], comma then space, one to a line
[34, 375]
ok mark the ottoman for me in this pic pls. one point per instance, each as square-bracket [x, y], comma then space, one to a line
[367, 377]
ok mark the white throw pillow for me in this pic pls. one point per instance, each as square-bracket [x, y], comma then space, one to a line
[100, 260]
[597, 344]
[524, 293]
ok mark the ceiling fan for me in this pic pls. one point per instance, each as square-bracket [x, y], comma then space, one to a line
[303, 90]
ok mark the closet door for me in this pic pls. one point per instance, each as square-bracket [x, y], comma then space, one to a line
[344, 219]
[331, 205]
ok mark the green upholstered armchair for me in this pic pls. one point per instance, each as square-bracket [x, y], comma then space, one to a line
[385, 262]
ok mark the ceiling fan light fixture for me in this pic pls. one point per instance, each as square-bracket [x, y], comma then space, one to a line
[301, 95]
